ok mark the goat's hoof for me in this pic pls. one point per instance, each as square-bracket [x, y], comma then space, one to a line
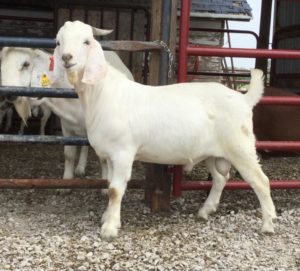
[104, 218]
[79, 171]
[202, 214]
[68, 176]
[268, 227]
[108, 231]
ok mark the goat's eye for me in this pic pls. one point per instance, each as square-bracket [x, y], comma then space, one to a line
[25, 65]
[87, 42]
[57, 43]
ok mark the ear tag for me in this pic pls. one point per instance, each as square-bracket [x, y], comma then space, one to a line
[51, 64]
[45, 81]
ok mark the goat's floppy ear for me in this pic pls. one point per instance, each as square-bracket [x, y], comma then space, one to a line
[95, 66]
[100, 32]
[58, 72]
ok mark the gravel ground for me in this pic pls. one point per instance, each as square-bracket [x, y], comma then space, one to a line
[60, 230]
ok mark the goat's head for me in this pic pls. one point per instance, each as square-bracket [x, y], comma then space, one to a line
[18, 66]
[23, 67]
[79, 53]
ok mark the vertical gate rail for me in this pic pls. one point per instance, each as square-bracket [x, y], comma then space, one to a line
[184, 50]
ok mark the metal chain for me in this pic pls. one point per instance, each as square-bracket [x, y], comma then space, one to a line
[170, 56]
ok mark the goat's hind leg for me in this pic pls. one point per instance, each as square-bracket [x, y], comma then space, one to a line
[219, 170]
[247, 164]
[106, 173]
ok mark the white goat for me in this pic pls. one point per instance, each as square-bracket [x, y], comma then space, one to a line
[20, 103]
[16, 70]
[68, 110]
[179, 124]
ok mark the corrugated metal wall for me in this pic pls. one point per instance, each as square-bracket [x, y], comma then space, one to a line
[285, 72]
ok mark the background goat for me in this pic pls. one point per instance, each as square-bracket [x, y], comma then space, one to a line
[16, 70]
[68, 110]
[175, 124]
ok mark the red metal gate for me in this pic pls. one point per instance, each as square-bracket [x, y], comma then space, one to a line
[184, 50]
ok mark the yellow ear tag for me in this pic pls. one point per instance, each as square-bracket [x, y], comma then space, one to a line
[45, 81]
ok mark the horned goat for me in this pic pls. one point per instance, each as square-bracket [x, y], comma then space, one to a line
[180, 124]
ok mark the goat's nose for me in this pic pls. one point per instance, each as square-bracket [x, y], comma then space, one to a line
[66, 57]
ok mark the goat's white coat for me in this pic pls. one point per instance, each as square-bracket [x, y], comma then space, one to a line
[14, 73]
[176, 124]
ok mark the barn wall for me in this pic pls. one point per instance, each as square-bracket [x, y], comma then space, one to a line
[206, 64]
[285, 72]
[24, 23]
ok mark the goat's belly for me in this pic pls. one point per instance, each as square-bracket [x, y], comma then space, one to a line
[171, 160]
[174, 154]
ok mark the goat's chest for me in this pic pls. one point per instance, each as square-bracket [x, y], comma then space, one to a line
[107, 134]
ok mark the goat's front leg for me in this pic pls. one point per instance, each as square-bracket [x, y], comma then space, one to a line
[70, 154]
[22, 127]
[80, 168]
[121, 172]
[46, 115]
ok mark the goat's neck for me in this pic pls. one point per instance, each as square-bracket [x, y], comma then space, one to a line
[88, 95]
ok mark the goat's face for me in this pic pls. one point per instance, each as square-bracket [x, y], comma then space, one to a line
[16, 67]
[79, 53]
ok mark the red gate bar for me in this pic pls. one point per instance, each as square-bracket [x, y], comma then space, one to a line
[280, 100]
[182, 74]
[281, 146]
[232, 185]
[241, 52]
[184, 50]
[62, 183]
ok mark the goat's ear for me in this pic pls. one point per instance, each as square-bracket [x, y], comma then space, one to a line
[95, 66]
[23, 108]
[58, 72]
[100, 32]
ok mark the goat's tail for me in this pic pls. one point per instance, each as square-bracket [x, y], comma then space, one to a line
[256, 87]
